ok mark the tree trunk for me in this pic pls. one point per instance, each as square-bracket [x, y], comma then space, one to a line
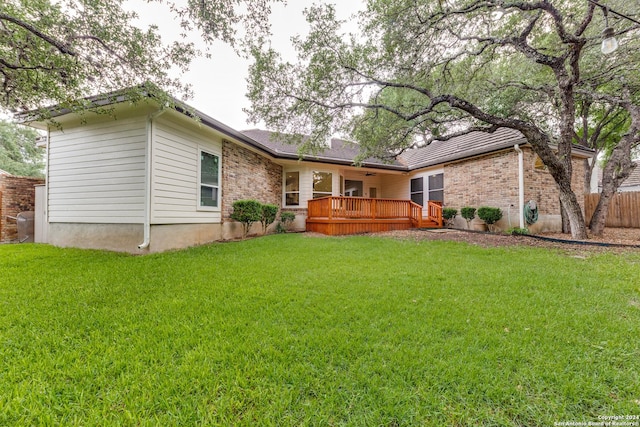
[618, 168]
[599, 217]
[564, 219]
[573, 211]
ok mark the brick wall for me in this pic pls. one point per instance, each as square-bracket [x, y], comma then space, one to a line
[486, 181]
[18, 195]
[492, 180]
[541, 187]
[247, 175]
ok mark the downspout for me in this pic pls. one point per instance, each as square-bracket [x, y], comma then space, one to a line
[520, 183]
[147, 173]
[46, 182]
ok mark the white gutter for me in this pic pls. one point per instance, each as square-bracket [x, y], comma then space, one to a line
[520, 183]
[147, 173]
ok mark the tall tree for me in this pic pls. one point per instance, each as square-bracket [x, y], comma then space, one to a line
[19, 154]
[425, 70]
[58, 52]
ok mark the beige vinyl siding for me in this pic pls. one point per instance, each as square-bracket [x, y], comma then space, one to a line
[396, 187]
[367, 181]
[176, 153]
[97, 172]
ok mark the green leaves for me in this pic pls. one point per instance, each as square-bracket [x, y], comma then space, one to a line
[60, 52]
[19, 154]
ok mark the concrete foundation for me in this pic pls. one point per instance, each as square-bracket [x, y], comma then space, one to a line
[112, 237]
[127, 237]
[179, 236]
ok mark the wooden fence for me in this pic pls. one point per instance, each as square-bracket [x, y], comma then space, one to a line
[624, 209]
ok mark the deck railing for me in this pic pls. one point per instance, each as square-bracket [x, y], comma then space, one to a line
[435, 212]
[338, 207]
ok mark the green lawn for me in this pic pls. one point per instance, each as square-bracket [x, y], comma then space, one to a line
[293, 330]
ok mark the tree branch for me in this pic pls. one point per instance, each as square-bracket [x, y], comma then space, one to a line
[62, 47]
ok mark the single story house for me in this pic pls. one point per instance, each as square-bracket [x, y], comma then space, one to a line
[148, 179]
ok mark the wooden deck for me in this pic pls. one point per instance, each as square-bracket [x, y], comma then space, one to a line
[352, 215]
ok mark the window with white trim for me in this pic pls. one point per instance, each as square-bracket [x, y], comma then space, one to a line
[292, 189]
[209, 181]
[417, 190]
[436, 187]
[322, 184]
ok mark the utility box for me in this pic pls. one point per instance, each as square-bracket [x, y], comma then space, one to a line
[25, 222]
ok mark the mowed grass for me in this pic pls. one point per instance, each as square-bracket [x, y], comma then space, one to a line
[293, 330]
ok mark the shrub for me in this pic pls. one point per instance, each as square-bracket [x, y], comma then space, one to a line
[247, 212]
[515, 231]
[449, 215]
[489, 215]
[280, 228]
[468, 213]
[287, 219]
[269, 213]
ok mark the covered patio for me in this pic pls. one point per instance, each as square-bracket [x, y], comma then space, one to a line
[338, 215]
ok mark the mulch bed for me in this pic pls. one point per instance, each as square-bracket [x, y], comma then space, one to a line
[613, 240]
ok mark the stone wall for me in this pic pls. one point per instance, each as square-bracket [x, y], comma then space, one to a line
[18, 194]
[248, 175]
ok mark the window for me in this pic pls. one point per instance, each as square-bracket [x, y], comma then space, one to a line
[292, 189]
[322, 184]
[353, 188]
[417, 190]
[209, 180]
[373, 192]
[436, 187]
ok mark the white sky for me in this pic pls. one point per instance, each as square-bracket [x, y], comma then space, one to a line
[219, 83]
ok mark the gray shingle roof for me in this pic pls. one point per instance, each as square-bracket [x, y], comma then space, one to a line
[438, 152]
[461, 147]
[341, 151]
